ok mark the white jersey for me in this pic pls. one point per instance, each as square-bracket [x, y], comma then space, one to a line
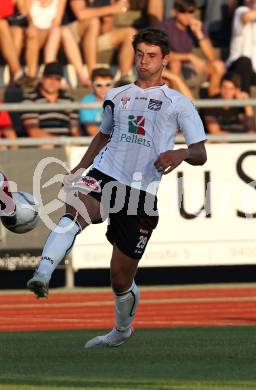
[243, 40]
[43, 16]
[142, 124]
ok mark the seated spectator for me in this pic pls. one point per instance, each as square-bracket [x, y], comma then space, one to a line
[6, 128]
[155, 11]
[53, 123]
[175, 82]
[13, 93]
[7, 46]
[185, 32]
[90, 119]
[226, 120]
[218, 19]
[18, 22]
[95, 30]
[44, 29]
[242, 58]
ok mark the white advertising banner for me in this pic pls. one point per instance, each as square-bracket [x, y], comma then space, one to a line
[207, 214]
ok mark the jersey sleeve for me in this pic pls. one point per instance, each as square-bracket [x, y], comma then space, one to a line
[107, 119]
[189, 121]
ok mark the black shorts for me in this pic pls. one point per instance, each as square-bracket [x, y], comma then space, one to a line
[131, 225]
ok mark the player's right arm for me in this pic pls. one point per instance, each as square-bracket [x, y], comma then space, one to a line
[99, 141]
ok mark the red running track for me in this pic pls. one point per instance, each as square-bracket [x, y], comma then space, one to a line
[162, 308]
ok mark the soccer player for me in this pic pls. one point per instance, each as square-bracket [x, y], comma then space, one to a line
[128, 156]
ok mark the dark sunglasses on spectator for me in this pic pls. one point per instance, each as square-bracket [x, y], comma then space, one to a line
[182, 10]
[100, 85]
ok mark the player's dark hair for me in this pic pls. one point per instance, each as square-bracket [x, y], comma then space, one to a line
[101, 72]
[152, 36]
[233, 78]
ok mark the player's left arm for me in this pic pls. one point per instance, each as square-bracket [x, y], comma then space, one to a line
[194, 154]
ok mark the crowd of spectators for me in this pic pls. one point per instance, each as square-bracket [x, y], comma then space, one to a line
[213, 55]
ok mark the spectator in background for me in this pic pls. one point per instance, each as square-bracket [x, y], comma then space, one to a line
[102, 81]
[242, 58]
[218, 19]
[7, 46]
[155, 11]
[52, 123]
[225, 120]
[43, 32]
[175, 82]
[18, 22]
[185, 32]
[95, 29]
[6, 128]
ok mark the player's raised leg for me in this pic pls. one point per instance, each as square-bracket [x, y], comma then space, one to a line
[123, 270]
[60, 242]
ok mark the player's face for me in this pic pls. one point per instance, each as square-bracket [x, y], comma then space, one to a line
[228, 90]
[149, 61]
[51, 84]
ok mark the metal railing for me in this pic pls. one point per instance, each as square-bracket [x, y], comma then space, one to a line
[74, 106]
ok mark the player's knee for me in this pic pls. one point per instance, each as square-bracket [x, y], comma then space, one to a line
[119, 283]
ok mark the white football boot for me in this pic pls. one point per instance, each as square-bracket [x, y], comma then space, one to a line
[39, 285]
[114, 338]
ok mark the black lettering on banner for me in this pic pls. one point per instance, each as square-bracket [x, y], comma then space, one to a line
[207, 197]
[247, 179]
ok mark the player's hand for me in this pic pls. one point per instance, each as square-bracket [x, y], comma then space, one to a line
[71, 177]
[168, 161]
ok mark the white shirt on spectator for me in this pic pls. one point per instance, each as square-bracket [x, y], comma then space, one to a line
[43, 16]
[243, 40]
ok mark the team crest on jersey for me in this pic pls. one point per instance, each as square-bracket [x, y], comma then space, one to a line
[155, 105]
[88, 183]
[124, 102]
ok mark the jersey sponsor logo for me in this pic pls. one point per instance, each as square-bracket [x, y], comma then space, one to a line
[88, 183]
[136, 128]
[136, 124]
[135, 139]
[155, 105]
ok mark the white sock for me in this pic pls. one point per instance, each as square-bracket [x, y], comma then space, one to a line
[58, 245]
[126, 305]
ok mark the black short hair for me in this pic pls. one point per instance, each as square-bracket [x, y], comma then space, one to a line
[152, 36]
[233, 78]
[101, 72]
[184, 5]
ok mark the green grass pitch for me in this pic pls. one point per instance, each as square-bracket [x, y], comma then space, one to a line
[208, 358]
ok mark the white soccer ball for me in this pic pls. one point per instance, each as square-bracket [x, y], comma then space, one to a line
[26, 215]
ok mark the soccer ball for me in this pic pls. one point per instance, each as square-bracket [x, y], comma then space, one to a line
[26, 215]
